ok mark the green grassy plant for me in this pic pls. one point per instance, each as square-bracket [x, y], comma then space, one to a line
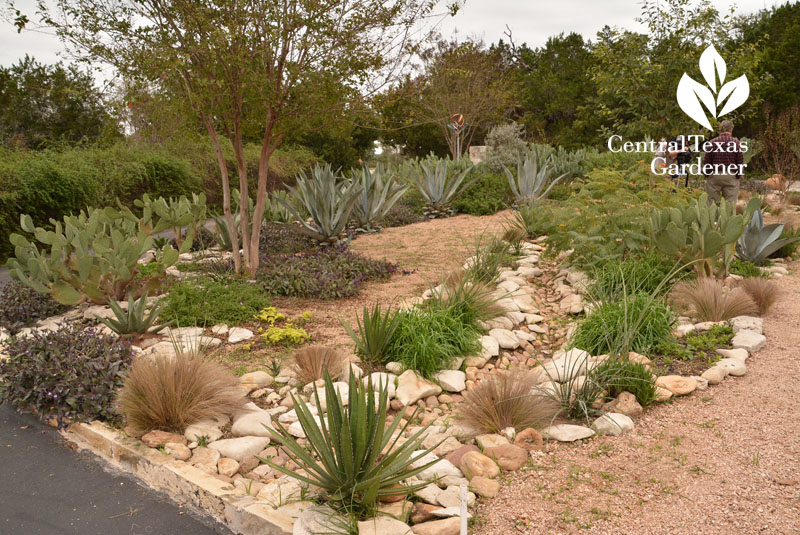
[623, 375]
[209, 302]
[644, 273]
[375, 331]
[747, 269]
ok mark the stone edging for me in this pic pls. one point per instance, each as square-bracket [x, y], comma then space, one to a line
[180, 480]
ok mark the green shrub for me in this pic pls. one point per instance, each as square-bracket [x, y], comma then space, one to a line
[486, 196]
[201, 302]
[21, 306]
[717, 336]
[325, 274]
[647, 273]
[353, 458]
[283, 238]
[637, 323]
[622, 375]
[747, 269]
[69, 374]
[428, 339]
[402, 214]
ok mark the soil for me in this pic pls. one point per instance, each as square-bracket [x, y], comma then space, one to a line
[724, 460]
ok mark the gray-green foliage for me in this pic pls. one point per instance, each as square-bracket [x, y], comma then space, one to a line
[90, 256]
[328, 200]
[700, 232]
[352, 455]
[440, 186]
[505, 145]
[534, 178]
[759, 240]
[134, 320]
[275, 211]
[379, 192]
[174, 213]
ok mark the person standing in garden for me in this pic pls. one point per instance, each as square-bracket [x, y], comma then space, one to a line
[723, 165]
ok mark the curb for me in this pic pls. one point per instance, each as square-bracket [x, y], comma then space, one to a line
[180, 480]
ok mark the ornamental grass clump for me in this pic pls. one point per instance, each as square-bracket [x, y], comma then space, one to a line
[475, 301]
[762, 291]
[311, 363]
[621, 374]
[707, 299]
[352, 456]
[173, 392]
[505, 400]
[375, 331]
[69, 374]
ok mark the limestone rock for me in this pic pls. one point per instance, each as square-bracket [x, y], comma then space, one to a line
[154, 439]
[451, 497]
[508, 457]
[239, 334]
[491, 440]
[423, 512]
[252, 423]
[715, 375]
[205, 459]
[429, 494]
[739, 354]
[662, 394]
[483, 486]
[254, 380]
[411, 388]
[456, 455]
[315, 520]
[474, 464]
[440, 468]
[452, 380]
[383, 525]
[210, 429]
[505, 338]
[447, 447]
[240, 448]
[747, 323]
[677, 384]
[614, 424]
[749, 340]
[571, 304]
[490, 347]
[735, 367]
[567, 432]
[384, 380]
[627, 404]
[227, 467]
[448, 526]
[178, 451]
[530, 439]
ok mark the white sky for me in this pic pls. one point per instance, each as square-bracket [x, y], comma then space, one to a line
[532, 22]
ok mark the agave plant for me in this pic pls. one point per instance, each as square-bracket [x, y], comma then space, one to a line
[533, 180]
[439, 187]
[134, 320]
[759, 240]
[328, 201]
[379, 192]
[352, 455]
[275, 211]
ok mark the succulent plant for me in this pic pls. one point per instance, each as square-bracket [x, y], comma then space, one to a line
[533, 180]
[759, 240]
[173, 213]
[328, 201]
[379, 192]
[439, 187]
[699, 232]
[135, 320]
[92, 256]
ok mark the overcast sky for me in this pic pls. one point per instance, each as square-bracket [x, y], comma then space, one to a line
[531, 21]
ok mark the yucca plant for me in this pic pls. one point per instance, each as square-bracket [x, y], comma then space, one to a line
[352, 455]
[759, 240]
[534, 179]
[328, 201]
[375, 331]
[439, 187]
[134, 320]
[379, 192]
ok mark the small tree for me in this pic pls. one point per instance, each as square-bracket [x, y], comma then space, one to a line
[262, 68]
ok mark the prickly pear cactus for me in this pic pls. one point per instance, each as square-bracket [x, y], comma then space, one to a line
[92, 256]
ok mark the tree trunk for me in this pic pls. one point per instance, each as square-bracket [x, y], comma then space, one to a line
[244, 202]
[226, 192]
[268, 147]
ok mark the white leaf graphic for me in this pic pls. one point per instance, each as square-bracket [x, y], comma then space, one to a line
[738, 89]
[690, 94]
[711, 63]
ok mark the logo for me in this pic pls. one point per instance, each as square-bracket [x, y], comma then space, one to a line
[698, 101]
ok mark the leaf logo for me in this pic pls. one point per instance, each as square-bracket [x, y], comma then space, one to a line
[696, 100]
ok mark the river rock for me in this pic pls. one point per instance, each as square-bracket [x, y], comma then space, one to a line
[738, 354]
[252, 423]
[448, 526]
[474, 463]
[715, 375]
[385, 380]
[411, 388]
[254, 380]
[239, 334]
[205, 459]
[483, 486]
[491, 440]
[614, 424]
[530, 439]
[383, 525]
[567, 432]
[508, 456]
[489, 347]
[154, 439]
[451, 497]
[505, 338]
[210, 429]
[677, 384]
[735, 367]
[452, 380]
[240, 448]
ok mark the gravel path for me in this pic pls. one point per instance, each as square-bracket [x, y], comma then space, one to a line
[726, 460]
